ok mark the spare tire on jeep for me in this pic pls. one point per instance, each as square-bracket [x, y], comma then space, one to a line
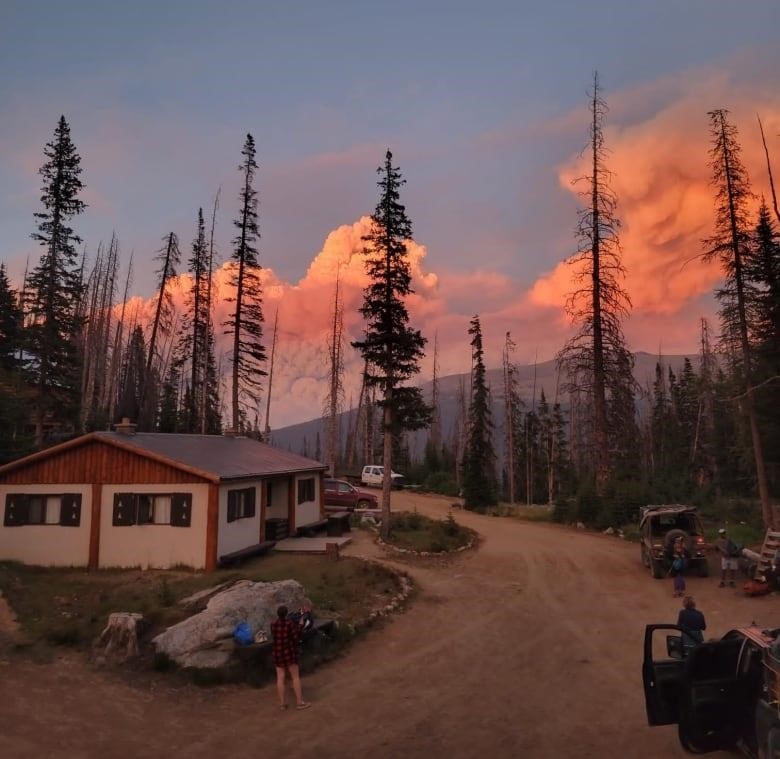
[672, 535]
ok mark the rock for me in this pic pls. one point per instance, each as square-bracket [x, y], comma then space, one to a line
[119, 640]
[609, 531]
[580, 526]
[202, 596]
[204, 640]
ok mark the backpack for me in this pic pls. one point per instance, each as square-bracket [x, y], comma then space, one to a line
[242, 634]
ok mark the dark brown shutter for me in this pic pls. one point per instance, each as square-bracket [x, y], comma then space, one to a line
[251, 497]
[16, 510]
[124, 510]
[70, 510]
[232, 505]
[181, 509]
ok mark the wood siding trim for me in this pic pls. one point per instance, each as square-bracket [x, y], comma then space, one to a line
[263, 486]
[291, 498]
[94, 526]
[212, 528]
[322, 495]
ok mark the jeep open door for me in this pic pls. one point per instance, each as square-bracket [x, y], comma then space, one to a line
[699, 692]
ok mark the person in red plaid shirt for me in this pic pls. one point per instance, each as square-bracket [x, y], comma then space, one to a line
[286, 636]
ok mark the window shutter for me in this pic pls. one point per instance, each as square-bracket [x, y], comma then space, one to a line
[181, 509]
[124, 509]
[70, 510]
[232, 506]
[144, 510]
[16, 510]
[251, 504]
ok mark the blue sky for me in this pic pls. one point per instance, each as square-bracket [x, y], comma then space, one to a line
[483, 105]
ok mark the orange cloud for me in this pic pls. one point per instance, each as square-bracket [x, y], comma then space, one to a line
[662, 181]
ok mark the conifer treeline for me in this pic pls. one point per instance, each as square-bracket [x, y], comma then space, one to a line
[74, 357]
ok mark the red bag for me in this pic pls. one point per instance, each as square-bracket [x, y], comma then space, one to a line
[755, 588]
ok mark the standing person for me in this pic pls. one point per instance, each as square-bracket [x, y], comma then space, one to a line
[677, 570]
[729, 553]
[286, 636]
[693, 623]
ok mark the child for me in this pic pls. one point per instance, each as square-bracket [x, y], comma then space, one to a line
[677, 570]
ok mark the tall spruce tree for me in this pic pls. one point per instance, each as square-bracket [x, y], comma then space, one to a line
[730, 246]
[194, 335]
[245, 322]
[479, 459]
[595, 360]
[763, 272]
[54, 292]
[391, 348]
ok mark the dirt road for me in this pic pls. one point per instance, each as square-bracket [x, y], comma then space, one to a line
[529, 646]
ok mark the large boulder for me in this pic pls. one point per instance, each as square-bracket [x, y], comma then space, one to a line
[205, 639]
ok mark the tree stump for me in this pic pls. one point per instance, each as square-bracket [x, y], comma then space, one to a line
[119, 640]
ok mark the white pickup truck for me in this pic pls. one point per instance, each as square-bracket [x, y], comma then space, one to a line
[373, 476]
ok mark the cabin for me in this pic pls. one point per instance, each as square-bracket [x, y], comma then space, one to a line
[141, 499]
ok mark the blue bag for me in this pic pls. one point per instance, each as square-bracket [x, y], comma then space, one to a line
[242, 634]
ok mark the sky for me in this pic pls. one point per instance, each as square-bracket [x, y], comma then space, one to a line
[484, 106]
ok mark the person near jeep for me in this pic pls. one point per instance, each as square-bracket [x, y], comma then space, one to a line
[729, 553]
[678, 563]
[693, 623]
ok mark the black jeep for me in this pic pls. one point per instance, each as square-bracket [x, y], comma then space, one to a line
[722, 694]
[660, 526]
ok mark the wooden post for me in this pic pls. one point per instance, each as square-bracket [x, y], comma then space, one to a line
[212, 527]
[94, 526]
[332, 551]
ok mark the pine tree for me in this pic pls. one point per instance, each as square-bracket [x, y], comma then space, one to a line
[13, 389]
[168, 258]
[596, 361]
[194, 333]
[133, 369]
[245, 323]
[763, 273]
[391, 348]
[54, 292]
[479, 478]
[730, 245]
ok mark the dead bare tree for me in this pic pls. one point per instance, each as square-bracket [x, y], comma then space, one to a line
[334, 400]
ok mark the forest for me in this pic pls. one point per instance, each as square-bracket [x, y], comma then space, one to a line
[75, 358]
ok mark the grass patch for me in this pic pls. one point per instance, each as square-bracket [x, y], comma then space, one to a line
[415, 532]
[518, 511]
[70, 606]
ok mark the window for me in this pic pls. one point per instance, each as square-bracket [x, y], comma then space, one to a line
[241, 504]
[28, 508]
[269, 493]
[305, 490]
[173, 509]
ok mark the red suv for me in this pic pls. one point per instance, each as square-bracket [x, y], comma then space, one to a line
[341, 496]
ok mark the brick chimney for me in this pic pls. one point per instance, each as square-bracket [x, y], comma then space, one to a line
[125, 427]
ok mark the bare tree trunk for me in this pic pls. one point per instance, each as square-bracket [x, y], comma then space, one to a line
[509, 417]
[267, 428]
[769, 169]
[387, 461]
[435, 433]
[336, 389]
